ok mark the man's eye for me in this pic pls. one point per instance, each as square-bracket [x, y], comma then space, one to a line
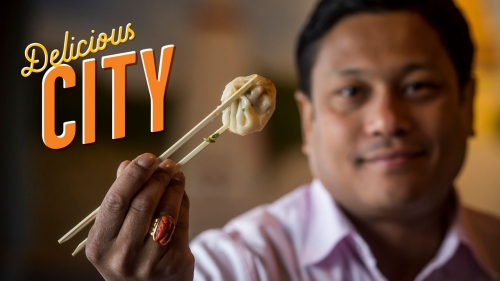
[415, 87]
[412, 87]
[349, 91]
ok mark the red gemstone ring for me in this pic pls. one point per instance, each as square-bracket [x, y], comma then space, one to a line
[162, 229]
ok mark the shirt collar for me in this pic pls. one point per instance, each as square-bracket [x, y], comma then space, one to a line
[326, 227]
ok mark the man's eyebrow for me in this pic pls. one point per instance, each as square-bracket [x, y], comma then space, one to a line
[416, 66]
[350, 72]
[404, 70]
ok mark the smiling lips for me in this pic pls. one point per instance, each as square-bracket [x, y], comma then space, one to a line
[392, 157]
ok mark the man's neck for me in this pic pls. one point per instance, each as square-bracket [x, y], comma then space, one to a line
[402, 248]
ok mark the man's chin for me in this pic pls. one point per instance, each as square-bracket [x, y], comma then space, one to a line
[393, 199]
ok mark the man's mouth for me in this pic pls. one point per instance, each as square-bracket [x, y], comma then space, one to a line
[393, 157]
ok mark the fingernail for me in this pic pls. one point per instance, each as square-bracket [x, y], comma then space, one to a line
[146, 160]
[168, 164]
[179, 176]
[122, 166]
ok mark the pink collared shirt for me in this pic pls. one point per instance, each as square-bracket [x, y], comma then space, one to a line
[305, 236]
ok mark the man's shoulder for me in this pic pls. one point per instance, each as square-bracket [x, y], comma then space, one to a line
[284, 213]
[483, 223]
[267, 236]
[282, 216]
[483, 231]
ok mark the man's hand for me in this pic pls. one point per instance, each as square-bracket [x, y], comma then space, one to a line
[119, 244]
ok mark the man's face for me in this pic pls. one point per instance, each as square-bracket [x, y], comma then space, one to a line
[386, 128]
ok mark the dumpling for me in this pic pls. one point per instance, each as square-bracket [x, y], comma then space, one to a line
[251, 111]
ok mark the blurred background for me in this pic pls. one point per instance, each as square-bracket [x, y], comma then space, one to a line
[45, 192]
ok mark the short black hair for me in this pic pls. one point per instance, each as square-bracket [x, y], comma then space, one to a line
[442, 15]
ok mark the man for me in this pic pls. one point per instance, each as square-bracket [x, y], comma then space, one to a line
[385, 95]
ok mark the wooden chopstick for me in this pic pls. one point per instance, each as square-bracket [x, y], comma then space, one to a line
[79, 226]
[80, 247]
[201, 146]
[174, 148]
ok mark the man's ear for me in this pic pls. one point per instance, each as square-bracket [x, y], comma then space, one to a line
[305, 106]
[469, 92]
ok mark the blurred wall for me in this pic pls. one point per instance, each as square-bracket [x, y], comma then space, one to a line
[479, 182]
[46, 192]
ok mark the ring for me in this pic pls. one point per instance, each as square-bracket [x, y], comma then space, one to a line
[162, 229]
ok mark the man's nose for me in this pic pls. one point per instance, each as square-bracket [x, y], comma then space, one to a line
[387, 116]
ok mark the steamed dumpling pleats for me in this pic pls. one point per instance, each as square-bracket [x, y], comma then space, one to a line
[253, 109]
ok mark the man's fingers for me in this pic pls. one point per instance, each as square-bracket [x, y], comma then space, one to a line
[142, 207]
[169, 205]
[116, 202]
[119, 244]
[180, 238]
[178, 254]
[122, 166]
[171, 199]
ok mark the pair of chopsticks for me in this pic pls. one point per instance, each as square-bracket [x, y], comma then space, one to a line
[170, 151]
